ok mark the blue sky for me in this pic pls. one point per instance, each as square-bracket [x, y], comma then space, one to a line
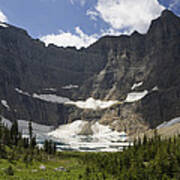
[81, 22]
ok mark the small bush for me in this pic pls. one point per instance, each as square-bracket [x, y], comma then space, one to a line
[9, 171]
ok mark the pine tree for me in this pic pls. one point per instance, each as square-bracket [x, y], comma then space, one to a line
[1, 133]
[30, 130]
[14, 133]
[46, 146]
[33, 142]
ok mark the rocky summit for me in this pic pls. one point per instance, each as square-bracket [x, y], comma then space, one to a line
[130, 82]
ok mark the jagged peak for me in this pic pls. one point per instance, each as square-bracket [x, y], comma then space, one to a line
[136, 33]
[166, 13]
[168, 18]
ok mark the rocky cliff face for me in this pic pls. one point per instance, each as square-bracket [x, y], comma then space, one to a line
[140, 72]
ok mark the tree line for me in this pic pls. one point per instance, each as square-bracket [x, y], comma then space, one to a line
[148, 159]
[12, 142]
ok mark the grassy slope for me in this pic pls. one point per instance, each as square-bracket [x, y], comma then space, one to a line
[165, 132]
[70, 161]
[154, 159]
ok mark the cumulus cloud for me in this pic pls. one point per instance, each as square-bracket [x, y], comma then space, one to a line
[78, 39]
[3, 18]
[122, 16]
[128, 14]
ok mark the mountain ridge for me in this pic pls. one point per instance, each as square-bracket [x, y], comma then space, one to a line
[106, 70]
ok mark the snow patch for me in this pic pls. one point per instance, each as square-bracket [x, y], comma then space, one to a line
[136, 96]
[3, 25]
[155, 88]
[136, 85]
[66, 133]
[39, 130]
[50, 89]
[22, 92]
[169, 123]
[70, 86]
[105, 133]
[6, 122]
[5, 104]
[91, 103]
[51, 98]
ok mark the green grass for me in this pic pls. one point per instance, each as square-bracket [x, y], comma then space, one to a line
[70, 161]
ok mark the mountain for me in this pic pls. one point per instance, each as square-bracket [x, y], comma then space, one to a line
[128, 82]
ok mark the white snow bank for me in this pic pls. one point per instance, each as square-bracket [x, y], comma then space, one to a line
[23, 127]
[5, 104]
[51, 98]
[6, 122]
[169, 123]
[136, 85]
[102, 139]
[155, 88]
[105, 133]
[3, 25]
[91, 103]
[37, 128]
[68, 132]
[22, 92]
[136, 96]
[70, 86]
[45, 97]
[50, 89]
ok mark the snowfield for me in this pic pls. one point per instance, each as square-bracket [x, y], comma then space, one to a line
[22, 92]
[136, 85]
[51, 98]
[91, 103]
[70, 132]
[39, 130]
[136, 96]
[50, 89]
[155, 88]
[6, 122]
[5, 104]
[70, 86]
[67, 132]
[3, 25]
[101, 139]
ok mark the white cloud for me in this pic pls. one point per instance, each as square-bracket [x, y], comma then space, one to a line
[3, 18]
[81, 2]
[128, 14]
[113, 32]
[78, 39]
[123, 17]
[92, 14]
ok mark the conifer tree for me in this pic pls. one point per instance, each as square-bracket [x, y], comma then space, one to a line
[14, 133]
[30, 130]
